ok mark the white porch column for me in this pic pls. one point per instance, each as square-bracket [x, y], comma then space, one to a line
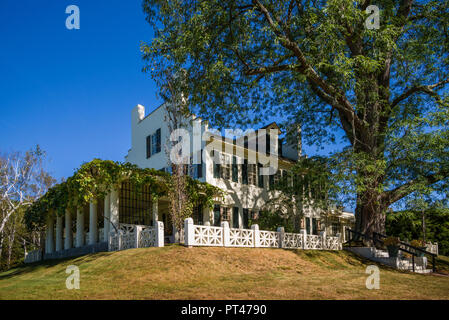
[155, 211]
[107, 216]
[207, 215]
[93, 230]
[58, 233]
[114, 208]
[79, 227]
[49, 239]
[68, 230]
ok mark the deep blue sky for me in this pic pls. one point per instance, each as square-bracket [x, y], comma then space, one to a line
[72, 91]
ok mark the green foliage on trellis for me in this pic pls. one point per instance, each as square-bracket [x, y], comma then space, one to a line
[95, 179]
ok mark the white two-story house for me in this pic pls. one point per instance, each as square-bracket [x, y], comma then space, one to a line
[234, 164]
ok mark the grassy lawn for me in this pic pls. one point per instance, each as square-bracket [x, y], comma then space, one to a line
[176, 272]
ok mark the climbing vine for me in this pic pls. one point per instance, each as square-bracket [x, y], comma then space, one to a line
[95, 179]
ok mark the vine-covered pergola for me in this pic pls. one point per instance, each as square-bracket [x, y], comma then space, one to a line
[119, 192]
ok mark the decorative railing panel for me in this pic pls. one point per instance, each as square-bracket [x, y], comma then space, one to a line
[147, 237]
[292, 241]
[332, 243]
[208, 236]
[269, 239]
[241, 238]
[198, 235]
[137, 236]
[314, 242]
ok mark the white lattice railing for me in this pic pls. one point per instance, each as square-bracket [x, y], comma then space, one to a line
[147, 237]
[268, 239]
[136, 236]
[207, 236]
[314, 242]
[241, 238]
[292, 240]
[197, 235]
[333, 243]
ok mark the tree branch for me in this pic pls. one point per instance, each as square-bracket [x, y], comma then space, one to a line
[424, 89]
[398, 193]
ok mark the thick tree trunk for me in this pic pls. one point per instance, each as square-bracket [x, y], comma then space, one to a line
[370, 213]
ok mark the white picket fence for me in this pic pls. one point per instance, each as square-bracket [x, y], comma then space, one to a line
[196, 235]
[130, 236]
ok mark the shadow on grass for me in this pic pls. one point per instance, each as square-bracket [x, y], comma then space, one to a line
[30, 267]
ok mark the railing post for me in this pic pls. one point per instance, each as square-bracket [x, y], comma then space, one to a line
[137, 231]
[189, 232]
[323, 239]
[159, 229]
[255, 228]
[413, 262]
[304, 239]
[226, 234]
[340, 242]
[281, 232]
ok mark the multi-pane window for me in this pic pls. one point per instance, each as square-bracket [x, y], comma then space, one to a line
[275, 179]
[225, 214]
[252, 174]
[226, 167]
[156, 142]
[197, 215]
[135, 204]
[196, 170]
[153, 143]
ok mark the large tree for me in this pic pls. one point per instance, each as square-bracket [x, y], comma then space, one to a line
[317, 63]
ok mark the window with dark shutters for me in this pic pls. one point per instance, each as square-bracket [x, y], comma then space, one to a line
[216, 165]
[148, 146]
[158, 140]
[267, 138]
[217, 216]
[245, 171]
[235, 217]
[245, 218]
[235, 170]
[259, 176]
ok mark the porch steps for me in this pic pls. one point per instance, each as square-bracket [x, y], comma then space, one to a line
[400, 262]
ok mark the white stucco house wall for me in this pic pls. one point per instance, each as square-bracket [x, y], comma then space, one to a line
[246, 194]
